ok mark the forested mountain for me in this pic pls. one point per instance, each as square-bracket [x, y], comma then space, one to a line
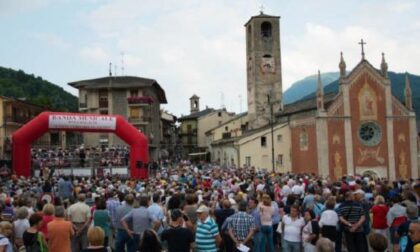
[34, 89]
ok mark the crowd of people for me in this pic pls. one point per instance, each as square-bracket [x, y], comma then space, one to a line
[80, 157]
[209, 208]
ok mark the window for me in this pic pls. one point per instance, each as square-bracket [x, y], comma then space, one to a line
[226, 128]
[219, 114]
[263, 141]
[303, 140]
[279, 138]
[266, 29]
[370, 134]
[248, 161]
[134, 92]
[135, 112]
[280, 159]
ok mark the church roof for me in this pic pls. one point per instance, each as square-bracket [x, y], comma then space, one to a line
[121, 82]
[306, 105]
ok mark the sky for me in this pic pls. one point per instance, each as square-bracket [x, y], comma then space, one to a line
[197, 46]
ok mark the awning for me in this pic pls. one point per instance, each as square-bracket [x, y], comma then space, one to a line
[197, 154]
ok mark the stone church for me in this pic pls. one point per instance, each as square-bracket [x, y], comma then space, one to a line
[361, 129]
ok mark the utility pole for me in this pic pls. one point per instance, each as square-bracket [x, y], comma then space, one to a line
[270, 103]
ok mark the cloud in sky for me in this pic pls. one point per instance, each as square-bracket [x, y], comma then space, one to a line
[198, 47]
[51, 39]
[94, 54]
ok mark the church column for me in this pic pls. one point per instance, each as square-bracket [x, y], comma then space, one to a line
[413, 146]
[322, 144]
[389, 120]
[321, 131]
[347, 130]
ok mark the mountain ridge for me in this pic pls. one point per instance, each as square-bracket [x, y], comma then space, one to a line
[34, 89]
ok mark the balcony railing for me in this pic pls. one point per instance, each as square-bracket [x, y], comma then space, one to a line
[139, 119]
[103, 103]
[17, 119]
[226, 135]
[82, 105]
[147, 100]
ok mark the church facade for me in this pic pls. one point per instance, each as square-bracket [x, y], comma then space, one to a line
[363, 129]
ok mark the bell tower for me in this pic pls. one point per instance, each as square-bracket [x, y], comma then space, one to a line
[264, 78]
[194, 104]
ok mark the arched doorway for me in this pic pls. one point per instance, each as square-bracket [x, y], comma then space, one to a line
[23, 138]
[371, 174]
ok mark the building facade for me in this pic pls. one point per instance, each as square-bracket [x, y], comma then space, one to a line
[14, 113]
[169, 135]
[135, 98]
[252, 148]
[194, 126]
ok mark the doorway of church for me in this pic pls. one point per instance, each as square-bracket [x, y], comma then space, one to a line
[371, 174]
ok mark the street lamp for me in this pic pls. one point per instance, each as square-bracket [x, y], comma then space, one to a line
[271, 103]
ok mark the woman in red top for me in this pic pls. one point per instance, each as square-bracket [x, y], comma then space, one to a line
[379, 212]
[47, 217]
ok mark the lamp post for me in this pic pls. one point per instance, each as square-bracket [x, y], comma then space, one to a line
[270, 103]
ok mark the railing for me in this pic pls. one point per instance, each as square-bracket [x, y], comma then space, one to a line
[90, 171]
[103, 103]
[17, 119]
[140, 119]
[226, 135]
[147, 100]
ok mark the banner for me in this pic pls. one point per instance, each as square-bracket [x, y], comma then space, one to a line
[57, 121]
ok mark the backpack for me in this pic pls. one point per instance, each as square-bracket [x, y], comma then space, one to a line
[315, 230]
[37, 244]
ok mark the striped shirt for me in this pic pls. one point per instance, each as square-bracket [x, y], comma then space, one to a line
[205, 235]
[351, 211]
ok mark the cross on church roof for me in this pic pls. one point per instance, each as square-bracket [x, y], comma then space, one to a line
[262, 9]
[362, 43]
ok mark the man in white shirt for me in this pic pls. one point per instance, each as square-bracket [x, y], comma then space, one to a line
[79, 215]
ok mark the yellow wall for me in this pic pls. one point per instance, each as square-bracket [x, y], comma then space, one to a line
[208, 122]
[234, 126]
[261, 156]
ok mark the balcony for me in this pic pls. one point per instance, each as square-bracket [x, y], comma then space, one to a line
[16, 119]
[103, 104]
[140, 120]
[83, 106]
[226, 135]
[140, 100]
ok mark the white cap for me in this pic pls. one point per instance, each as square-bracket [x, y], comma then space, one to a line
[203, 209]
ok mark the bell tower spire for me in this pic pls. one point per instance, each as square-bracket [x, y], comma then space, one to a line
[384, 66]
[407, 93]
[320, 94]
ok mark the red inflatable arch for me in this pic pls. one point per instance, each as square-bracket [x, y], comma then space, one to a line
[23, 138]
